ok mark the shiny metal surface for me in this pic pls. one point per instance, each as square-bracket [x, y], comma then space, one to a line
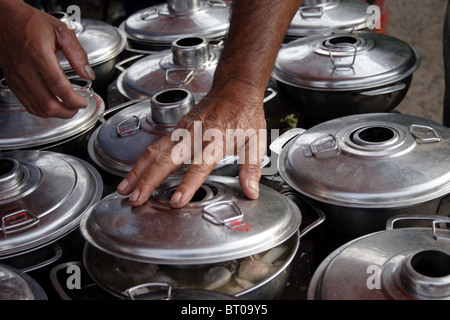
[121, 140]
[16, 285]
[328, 16]
[345, 62]
[101, 41]
[176, 19]
[43, 195]
[233, 226]
[395, 264]
[190, 64]
[369, 161]
[20, 129]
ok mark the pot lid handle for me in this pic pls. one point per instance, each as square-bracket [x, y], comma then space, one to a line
[18, 219]
[187, 73]
[218, 213]
[146, 287]
[435, 220]
[324, 147]
[311, 13]
[341, 64]
[128, 127]
[424, 134]
[152, 13]
[217, 3]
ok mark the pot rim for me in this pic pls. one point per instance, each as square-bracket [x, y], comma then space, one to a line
[87, 251]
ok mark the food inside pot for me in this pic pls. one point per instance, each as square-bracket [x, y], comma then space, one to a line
[228, 277]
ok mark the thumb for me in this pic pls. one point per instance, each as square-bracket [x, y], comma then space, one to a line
[249, 176]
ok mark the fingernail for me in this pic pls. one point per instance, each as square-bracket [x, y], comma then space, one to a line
[89, 71]
[123, 185]
[176, 197]
[254, 185]
[134, 195]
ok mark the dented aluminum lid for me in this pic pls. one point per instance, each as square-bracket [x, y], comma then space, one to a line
[165, 23]
[42, 197]
[190, 65]
[219, 224]
[20, 129]
[345, 61]
[381, 160]
[394, 264]
[329, 16]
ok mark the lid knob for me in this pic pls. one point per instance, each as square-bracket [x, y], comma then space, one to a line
[11, 174]
[170, 106]
[190, 51]
[427, 273]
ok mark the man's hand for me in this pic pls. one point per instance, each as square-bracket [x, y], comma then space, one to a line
[228, 127]
[29, 39]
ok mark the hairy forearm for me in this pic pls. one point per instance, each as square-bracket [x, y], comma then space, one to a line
[257, 29]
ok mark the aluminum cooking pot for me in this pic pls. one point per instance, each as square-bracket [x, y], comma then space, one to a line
[364, 169]
[155, 28]
[102, 42]
[43, 196]
[393, 264]
[205, 240]
[190, 64]
[316, 17]
[330, 76]
[22, 130]
[120, 141]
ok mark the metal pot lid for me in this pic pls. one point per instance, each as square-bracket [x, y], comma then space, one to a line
[175, 19]
[17, 285]
[343, 62]
[398, 264]
[101, 41]
[384, 160]
[326, 16]
[190, 64]
[43, 195]
[120, 141]
[219, 224]
[20, 129]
